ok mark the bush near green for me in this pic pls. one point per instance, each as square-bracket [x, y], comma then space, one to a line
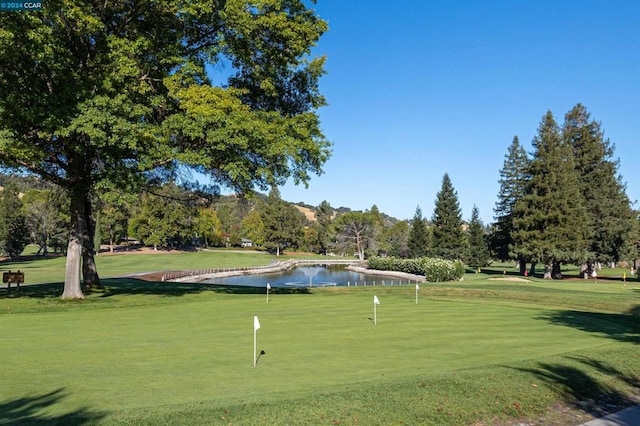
[434, 269]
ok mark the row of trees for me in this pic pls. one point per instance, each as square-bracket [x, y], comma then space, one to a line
[565, 202]
[175, 216]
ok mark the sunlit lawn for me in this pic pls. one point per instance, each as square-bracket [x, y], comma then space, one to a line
[476, 351]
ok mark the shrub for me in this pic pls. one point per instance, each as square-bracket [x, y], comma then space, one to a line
[433, 269]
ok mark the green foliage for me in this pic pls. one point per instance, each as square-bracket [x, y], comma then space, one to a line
[253, 228]
[114, 92]
[418, 242]
[434, 269]
[282, 223]
[324, 228]
[513, 180]
[355, 229]
[395, 239]
[46, 213]
[163, 220]
[478, 251]
[448, 239]
[550, 218]
[610, 220]
[14, 233]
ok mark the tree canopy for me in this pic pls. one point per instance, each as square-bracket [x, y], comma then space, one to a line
[550, 217]
[448, 239]
[610, 219]
[513, 179]
[122, 92]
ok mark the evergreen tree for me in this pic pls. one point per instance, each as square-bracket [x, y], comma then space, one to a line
[448, 240]
[418, 242]
[478, 251]
[283, 223]
[549, 220]
[14, 233]
[513, 180]
[324, 227]
[610, 217]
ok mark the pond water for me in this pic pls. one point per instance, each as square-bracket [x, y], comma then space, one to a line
[308, 276]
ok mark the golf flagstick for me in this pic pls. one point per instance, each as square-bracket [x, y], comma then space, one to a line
[256, 326]
[268, 288]
[376, 302]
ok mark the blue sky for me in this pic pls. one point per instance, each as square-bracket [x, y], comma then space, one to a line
[417, 89]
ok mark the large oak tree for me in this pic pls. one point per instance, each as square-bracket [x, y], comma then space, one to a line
[122, 92]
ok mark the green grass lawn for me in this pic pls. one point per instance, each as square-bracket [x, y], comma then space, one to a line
[472, 352]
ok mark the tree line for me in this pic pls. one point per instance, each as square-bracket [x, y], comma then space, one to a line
[563, 203]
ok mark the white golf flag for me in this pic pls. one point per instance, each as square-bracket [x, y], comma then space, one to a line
[376, 300]
[268, 286]
[256, 323]
[417, 287]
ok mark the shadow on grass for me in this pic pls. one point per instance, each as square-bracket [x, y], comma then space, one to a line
[40, 291]
[577, 383]
[131, 286]
[120, 286]
[621, 327]
[17, 261]
[25, 411]
[491, 271]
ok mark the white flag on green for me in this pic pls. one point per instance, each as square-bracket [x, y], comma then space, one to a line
[256, 323]
[376, 300]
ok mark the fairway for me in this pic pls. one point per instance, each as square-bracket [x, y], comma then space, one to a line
[199, 348]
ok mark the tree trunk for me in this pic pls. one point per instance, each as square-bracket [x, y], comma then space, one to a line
[556, 273]
[89, 269]
[72, 288]
[359, 248]
[532, 270]
[523, 266]
[547, 272]
[584, 268]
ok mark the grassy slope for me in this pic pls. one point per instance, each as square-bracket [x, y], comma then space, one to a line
[481, 350]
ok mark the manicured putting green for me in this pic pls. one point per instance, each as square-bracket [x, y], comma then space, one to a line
[201, 349]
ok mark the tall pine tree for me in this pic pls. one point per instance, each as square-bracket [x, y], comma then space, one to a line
[610, 218]
[478, 251]
[513, 180]
[549, 220]
[418, 242]
[448, 240]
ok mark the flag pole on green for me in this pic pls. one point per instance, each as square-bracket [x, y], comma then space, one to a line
[376, 302]
[268, 288]
[256, 327]
[417, 288]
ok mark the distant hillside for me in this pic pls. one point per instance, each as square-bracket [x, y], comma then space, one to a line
[310, 212]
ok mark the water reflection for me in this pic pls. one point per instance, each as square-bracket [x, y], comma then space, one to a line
[307, 276]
